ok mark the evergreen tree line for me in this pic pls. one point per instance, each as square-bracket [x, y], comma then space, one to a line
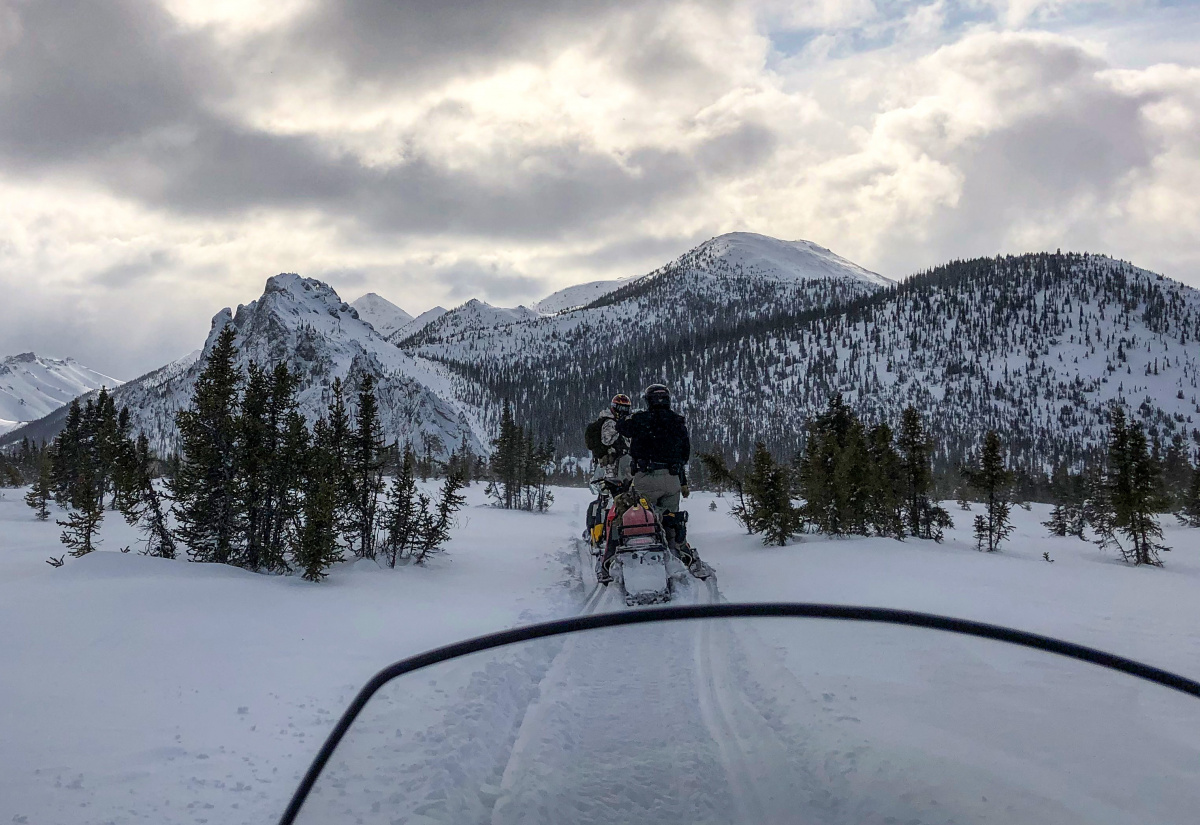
[853, 479]
[95, 457]
[253, 485]
[847, 479]
[1121, 501]
[520, 466]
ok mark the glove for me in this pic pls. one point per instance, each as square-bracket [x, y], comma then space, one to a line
[685, 491]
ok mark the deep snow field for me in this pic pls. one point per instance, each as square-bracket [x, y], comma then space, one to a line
[142, 690]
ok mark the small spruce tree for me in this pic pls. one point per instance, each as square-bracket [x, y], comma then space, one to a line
[1189, 513]
[400, 517]
[993, 481]
[436, 528]
[769, 501]
[40, 493]
[365, 471]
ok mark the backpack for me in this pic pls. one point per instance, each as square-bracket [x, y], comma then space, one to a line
[592, 437]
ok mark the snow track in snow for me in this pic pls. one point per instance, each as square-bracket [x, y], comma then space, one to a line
[645, 723]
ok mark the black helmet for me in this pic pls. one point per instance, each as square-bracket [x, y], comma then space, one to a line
[657, 395]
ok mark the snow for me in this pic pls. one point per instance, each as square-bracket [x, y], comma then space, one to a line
[381, 313]
[475, 316]
[144, 690]
[788, 260]
[417, 324]
[770, 258]
[32, 386]
[304, 323]
[578, 295]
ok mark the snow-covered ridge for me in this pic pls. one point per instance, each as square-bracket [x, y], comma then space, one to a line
[577, 295]
[381, 313]
[767, 257]
[475, 316]
[33, 386]
[305, 324]
[755, 255]
[417, 324]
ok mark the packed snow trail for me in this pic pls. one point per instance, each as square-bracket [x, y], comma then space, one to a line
[646, 723]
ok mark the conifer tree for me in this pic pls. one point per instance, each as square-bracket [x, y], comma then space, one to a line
[923, 518]
[365, 471]
[40, 493]
[1134, 487]
[317, 544]
[337, 437]
[993, 480]
[283, 491]
[86, 514]
[821, 482]
[852, 481]
[253, 455]
[722, 478]
[1189, 513]
[400, 517]
[770, 510]
[886, 483]
[205, 487]
[66, 455]
[436, 529]
[108, 443]
[142, 504]
[507, 461]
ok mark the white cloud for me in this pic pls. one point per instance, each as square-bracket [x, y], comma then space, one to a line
[577, 148]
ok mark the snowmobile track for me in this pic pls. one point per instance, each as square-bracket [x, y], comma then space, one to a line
[750, 752]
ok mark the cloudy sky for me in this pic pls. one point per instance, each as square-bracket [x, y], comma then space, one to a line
[159, 160]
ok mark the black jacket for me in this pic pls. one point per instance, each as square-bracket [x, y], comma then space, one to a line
[658, 439]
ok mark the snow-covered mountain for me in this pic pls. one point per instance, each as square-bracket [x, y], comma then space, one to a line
[304, 323]
[417, 324]
[381, 313]
[754, 335]
[578, 295]
[473, 317]
[726, 282]
[32, 386]
[1036, 346]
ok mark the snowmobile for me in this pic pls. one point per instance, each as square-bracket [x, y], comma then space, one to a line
[606, 489]
[640, 561]
[760, 713]
[641, 564]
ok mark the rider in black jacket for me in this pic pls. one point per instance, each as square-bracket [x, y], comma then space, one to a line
[660, 447]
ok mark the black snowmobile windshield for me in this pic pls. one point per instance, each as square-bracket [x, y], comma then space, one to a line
[762, 714]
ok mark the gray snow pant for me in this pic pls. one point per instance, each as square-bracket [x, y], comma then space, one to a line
[660, 489]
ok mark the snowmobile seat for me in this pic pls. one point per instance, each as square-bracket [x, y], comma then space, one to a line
[638, 521]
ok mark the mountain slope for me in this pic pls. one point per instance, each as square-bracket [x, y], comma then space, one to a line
[1036, 346]
[577, 295]
[32, 386]
[720, 284]
[417, 324]
[381, 313]
[304, 323]
[473, 317]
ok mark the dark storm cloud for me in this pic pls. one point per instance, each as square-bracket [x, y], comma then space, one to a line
[118, 93]
[415, 40]
[215, 168]
[82, 79]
